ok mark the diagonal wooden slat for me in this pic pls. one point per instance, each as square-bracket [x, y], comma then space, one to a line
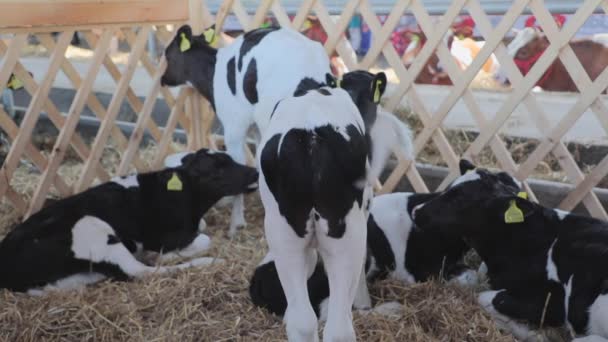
[335, 35]
[33, 110]
[417, 104]
[69, 128]
[54, 115]
[260, 14]
[522, 89]
[302, 14]
[121, 91]
[384, 35]
[344, 49]
[134, 102]
[241, 14]
[280, 14]
[539, 118]
[142, 121]
[94, 105]
[166, 139]
[40, 161]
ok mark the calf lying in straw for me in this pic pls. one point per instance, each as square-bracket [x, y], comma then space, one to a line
[396, 249]
[96, 234]
[545, 267]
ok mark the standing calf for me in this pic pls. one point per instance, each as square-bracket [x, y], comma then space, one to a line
[395, 249]
[315, 189]
[545, 266]
[95, 234]
[258, 69]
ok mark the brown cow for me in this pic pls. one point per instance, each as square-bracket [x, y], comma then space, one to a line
[528, 46]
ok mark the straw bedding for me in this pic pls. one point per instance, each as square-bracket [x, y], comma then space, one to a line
[212, 303]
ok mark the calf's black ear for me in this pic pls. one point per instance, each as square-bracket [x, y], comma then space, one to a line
[331, 80]
[465, 166]
[378, 87]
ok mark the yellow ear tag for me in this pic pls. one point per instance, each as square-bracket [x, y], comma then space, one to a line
[338, 83]
[174, 184]
[523, 195]
[377, 91]
[14, 83]
[211, 37]
[468, 171]
[514, 214]
[184, 44]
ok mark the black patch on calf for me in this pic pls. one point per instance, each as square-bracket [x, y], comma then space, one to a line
[380, 248]
[276, 105]
[231, 74]
[113, 239]
[266, 291]
[317, 169]
[250, 82]
[529, 305]
[251, 39]
[305, 85]
[323, 91]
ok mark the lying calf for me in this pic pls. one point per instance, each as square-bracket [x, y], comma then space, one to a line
[93, 235]
[396, 249]
[545, 266]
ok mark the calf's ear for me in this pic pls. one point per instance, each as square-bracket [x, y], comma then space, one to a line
[465, 166]
[378, 87]
[331, 80]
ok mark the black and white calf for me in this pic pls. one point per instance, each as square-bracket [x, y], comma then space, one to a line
[95, 234]
[315, 188]
[258, 69]
[544, 265]
[395, 249]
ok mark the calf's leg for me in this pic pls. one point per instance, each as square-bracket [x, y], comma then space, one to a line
[235, 135]
[343, 258]
[200, 244]
[94, 240]
[506, 307]
[293, 258]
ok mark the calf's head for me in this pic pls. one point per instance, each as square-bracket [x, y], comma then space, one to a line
[178, 54]
[468, 203]
[215, 174]
[365, 89]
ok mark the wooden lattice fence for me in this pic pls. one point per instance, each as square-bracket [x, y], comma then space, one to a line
[137, 18]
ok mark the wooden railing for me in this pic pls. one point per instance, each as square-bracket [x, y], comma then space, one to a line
[136, 19]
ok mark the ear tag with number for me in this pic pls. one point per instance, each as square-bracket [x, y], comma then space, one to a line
[514, 214]
[377, 91]
[184, 44]
[174, 184]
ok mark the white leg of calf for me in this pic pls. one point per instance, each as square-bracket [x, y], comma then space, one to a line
[598, 316]
[202, 225]
[343, 259]
[292, 256]
[75, 281]
[362, 298]
[468, 278]
[519, 330]
[199, 245]
[234, 138]
[91, 241]
[590, 338]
